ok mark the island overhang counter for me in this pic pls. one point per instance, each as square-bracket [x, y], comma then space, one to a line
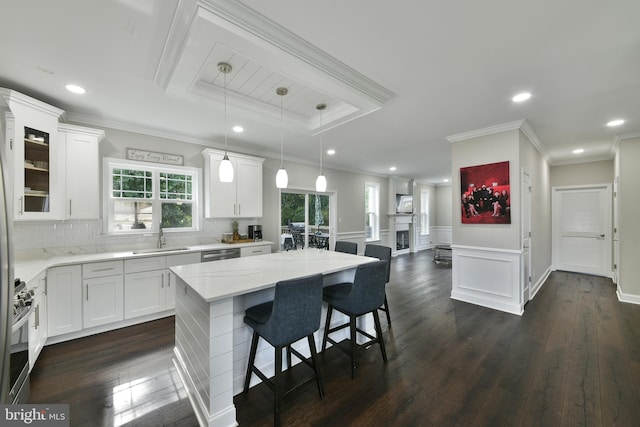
[212, 342]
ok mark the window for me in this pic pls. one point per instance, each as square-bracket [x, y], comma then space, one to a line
[424, 212]
[146, 197]
[372, 211]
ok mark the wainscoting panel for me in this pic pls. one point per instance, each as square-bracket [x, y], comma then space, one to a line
[487, 277]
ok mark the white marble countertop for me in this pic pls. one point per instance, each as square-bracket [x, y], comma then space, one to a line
[238, 276]
[28, 269]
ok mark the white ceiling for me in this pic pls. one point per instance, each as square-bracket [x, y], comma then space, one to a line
[398, 78]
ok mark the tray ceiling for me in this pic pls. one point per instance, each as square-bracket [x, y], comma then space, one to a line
[264, 57]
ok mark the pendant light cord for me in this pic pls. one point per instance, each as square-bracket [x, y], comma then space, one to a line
[225, 113]
[320, 142]
[281, 135]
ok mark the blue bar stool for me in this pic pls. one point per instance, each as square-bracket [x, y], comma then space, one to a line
[381, 252]
[356, 299]
[293, 314]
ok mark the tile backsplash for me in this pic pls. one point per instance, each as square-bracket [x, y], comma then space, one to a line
[36, 239]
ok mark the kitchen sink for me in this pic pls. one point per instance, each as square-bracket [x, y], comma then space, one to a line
[157, 250]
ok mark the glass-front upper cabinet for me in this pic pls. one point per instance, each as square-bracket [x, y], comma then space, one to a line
[37, 157]
[37, 180]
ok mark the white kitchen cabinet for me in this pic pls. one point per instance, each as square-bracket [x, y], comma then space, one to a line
[148, 285]
[38, 330]
[241, 198]
[144, 286]
[144, 293]
[255, 250]
[37, 157]
[103, 293]
[82, 168]
[64, 299]
[172, 261]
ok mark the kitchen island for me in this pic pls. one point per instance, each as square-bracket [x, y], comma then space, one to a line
[212, 342]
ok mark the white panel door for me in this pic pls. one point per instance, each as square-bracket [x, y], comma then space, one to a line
[582, 229]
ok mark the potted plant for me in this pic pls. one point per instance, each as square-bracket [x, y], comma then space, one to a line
[236, 234]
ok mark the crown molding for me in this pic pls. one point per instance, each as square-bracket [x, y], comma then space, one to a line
[251, 22]
[522, 125]
[619, 138]
[575, 161]
[490, 130]
[12, 97]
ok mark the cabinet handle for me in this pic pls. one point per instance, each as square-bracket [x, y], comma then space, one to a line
[162, 281]
[37, 316]
[10, 143]
[169, 280]
[69, 207]
[103, 269]
[87, 286]
[20, 203]
[239, 206]
[46, 285]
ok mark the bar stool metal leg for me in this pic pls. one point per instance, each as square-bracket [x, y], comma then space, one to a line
[252, 358]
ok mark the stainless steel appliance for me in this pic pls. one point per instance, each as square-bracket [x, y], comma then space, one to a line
[6, 287]
[19, 358]
[219, 254]
[255, 233]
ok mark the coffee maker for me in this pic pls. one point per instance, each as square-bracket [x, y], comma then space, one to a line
[255, 233]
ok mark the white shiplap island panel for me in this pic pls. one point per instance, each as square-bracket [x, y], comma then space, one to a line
[212, 342]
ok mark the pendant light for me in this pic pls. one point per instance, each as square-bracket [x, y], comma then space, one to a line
[226, 167]
[282, 179]
[321, 181]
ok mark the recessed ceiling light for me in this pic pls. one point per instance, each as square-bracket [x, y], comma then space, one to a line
[331, 151]
[616, 122]
[521, 97]
[75, 89]
[578, 151]
[392, 168]
[445, 180]
[238, 129]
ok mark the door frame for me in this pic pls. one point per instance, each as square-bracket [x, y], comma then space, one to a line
[526, 239]
[556, 215]
[333, 210]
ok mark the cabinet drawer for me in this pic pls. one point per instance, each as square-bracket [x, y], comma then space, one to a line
[101, 269]
[145, 264]
[255, 250]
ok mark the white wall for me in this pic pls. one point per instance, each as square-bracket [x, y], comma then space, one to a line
[482, 150]
[626, 168]
[600, 172]
[347, 186]
[532, 162]
[81, 236]
[444, 207]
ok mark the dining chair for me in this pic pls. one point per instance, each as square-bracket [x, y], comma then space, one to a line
[383, 253]
[346, 247]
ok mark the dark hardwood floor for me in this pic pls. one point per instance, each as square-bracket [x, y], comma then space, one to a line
[573, 359]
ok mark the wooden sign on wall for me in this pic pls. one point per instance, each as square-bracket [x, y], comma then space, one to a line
[153, 157]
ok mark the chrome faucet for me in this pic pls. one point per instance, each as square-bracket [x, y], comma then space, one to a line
[161, 240]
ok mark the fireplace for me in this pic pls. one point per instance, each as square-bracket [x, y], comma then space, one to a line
[402, 239]
[401, 232]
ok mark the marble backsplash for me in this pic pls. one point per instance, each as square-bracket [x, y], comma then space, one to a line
[43, 239]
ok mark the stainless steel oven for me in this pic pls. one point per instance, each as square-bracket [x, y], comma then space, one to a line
[19, 354]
